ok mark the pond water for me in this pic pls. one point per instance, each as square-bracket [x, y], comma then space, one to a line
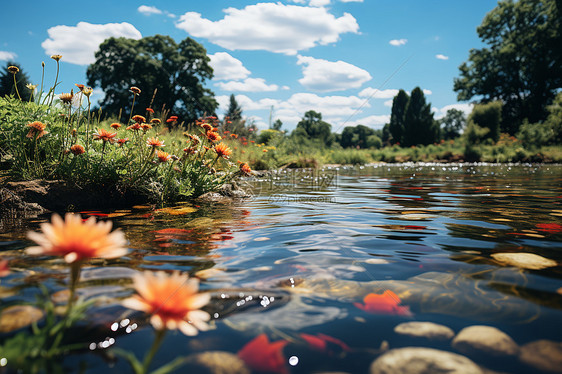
[297, 260]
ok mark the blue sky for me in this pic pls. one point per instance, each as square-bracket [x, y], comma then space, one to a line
[343, 58]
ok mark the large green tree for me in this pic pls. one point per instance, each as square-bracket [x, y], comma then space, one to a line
[398, 116]
[357, 136]
[168, 74]
[522, 63]
[419, 125]
[7, 86]
[452, 124]
[313, 127]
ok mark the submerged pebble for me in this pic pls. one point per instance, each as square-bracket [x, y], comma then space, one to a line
[486, 340]
[543, 354]
[216, 362]
[416, 360]
[18, 316]
[427, 330]
[529, 261]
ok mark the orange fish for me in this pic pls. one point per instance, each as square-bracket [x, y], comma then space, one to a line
[387, 303]
[264, 356]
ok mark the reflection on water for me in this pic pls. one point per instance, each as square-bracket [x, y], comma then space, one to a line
[294, 261]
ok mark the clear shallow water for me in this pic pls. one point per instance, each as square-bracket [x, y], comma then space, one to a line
[301, 255]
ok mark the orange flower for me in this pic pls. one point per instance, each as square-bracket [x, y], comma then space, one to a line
[115, 125]
[172, 300]
[145, 127]
[207, 127]
[56, 57]
[194, 139]
[139, 119]
[156, 121]
[387, 303]
[80, 86]
[76, 240]
[66, 97]
[163, 156]
[135, 90]
[150, 110]
[104, 135]
[223, 150]
[36, 129]
[154, 142]
[245, 168]
[77, 149]
[122, 141]
[264, 356]
[213, 136]
[264, 151]
[134, 127]
[234, 136]
[13, 69]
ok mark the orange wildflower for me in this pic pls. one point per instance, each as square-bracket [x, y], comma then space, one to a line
[222, 150]
[156, 121]
[163, 156]
[135, 90]
[245, 168]
[134, 127]
[173, 301]
[56, 57]
[76, 240]
[138, 119]
[13, 69]
[207, 127]
[80, 86]
[36, 129]
[115, 125]
[105, 135]
[150, 110]
[122, 141]
[213, 136]
[387, 303]
[154, 142]
[77, 149]
[145, 127]
[66, 97]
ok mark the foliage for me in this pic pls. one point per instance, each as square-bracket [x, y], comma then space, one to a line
[268, 136]
[359, 137]
[488, 116]
[277, 124]
[312, 127]
[171, 75]
[534, 135]
[397, 126]
[234, 112]
[522, 63]
[452, 124]
[419, 126]
[7, 86]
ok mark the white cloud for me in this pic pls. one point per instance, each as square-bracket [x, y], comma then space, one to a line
[148, 10]
[398, 42]
[247, 85]
[7, 56]
[274, 27]
[374, 121]
[388, 103]
[440, 112]
[441, 57]
[227, 67]
[427, 92]
[325, 76]
[319, 2]
[78, 44]
[378, 94]
[351, 1]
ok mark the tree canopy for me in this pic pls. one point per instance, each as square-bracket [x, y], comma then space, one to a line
[313, 127]
[168, 74]
[522, 63]
[398, 116]
[452, 124]
[359, 136]
[7, 82]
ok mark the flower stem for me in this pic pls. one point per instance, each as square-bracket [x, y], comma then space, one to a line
[55, 85]
[16, 86]
[75, 269]
[155, 346]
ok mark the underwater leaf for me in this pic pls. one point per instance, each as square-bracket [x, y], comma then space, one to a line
[262, 355]
[387, 303]
[325, 343]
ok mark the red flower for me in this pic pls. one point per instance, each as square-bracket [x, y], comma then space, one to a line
[150, 110]
[387, 303]
[262, 355]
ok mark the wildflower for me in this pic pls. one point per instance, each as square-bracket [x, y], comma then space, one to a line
[264, 151]
[245, 168]
[163, 156]
[115, 125]
[222, 150]
[31, 87]
[66, 97]
[13, 69]
[207, 127]
[135, 90]
[145, 127]
[150, 110]
[156, 121]
[87, 91]
[154, 142]
[139, 119]
[36, 130]
[56, 57]
[80, 86]
[104, 135]
[190, 150]
[77, 149]
[134, 127]
[74, 132]
[235, 136]
[122, 141]
[213, 136]
[194, 139]
[76, 240]
[172, 300]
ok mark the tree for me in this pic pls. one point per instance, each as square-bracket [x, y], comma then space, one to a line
[168, 74]
[277, 125]
[7, 82]
[312, 127]
[419, 126]
[398, 116]
[234, 112]
[358, 137]
[488, 116]
[452, 124]
[522, 65]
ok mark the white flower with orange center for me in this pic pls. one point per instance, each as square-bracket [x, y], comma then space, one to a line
[77, 240]
[173, 301]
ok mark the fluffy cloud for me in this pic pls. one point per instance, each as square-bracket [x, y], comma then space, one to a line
[378, 94]
[78, 44]
[441, 57]
[351, 1]
[148, 10]
[7, 56]
[227, 67]
[440, 112]
[274, 27]
[427, 92]
[325, 76]
[374, 121]
[247, 85]
[398, 42]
